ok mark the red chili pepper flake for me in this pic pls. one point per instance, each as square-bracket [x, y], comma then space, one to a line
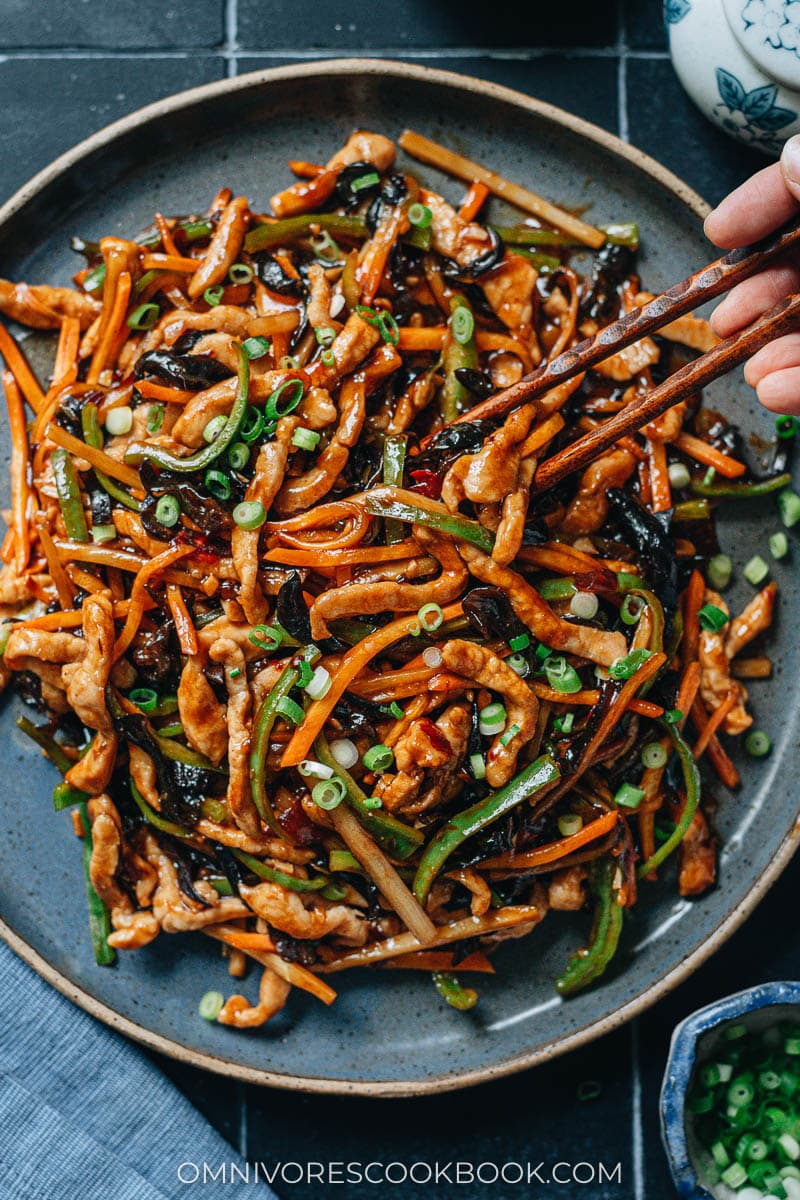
[435, 737]
[427, 483]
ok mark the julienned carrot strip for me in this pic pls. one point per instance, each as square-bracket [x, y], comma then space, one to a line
[343, 558]
[660, 489]
[716, 753]
[476, 197]
[554, 850]
[622, 702]
[149, 390]
[696, 448]
[442, 960]
[645, 708]
[63, 584]
[687, 690]
[18, 366]
[51, 402]
[714, 722]
[96, 458]
[184, 626]
[292, 972]
[20, 488]
[138, 594]
[7, 548]
[692, 603]
[354, 661]
[167, 240]
[111, 328]
[371, 269]
[69, 619]
[170, 262]
[584, 698]
[242, 940]
[426, 337]
[65, 369]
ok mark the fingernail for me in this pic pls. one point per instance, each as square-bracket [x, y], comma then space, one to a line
[790, 160]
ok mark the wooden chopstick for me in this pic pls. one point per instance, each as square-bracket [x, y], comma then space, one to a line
[683, 297]
[729, 353]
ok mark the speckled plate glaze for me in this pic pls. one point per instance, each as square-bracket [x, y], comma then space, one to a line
[388, 1033]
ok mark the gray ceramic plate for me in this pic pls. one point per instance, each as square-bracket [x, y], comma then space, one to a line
[387, 1033]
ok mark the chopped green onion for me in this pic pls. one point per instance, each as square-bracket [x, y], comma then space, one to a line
[654, 755]
[240, 272]
[213, 428]
[266, 637]
[325, 335]
[419, 215]
[785, 426]
[290, 709]
[492, 719]
[278, 404]
[624, 668]
[344, 753]
[217, 483]
[144, 698]
[584, 605]
[95, 279]
[168, 510]
[143, 317]
[712, 618]
[383, 321]
[757, 743]
[564, 723]
[720, 569]
[679, 475]
[778, 545]
[520, 642]
[211, 1005]
[252, 424]
[309, 768]
[740, 1092]
[628, 796]
[305, 672]
[734, 1175]
[462, 324]
[289, 362]
[305, 439]
[368, 180]
[214, 810]
[155, 418]
[430, 617]
[256, 347]
[477, 764]
[509, 735]
[119, 421]
[519, 664]
[756, 570]
[319, 685]
[569, 824]
[326, 248]
[328, 358]
[103, 533]
[378, 758]
[396, 711]
[239, 455]
[329, 793]
[631, 609]
[249, 514]
[192, 230]
[560, 675]
[789, 507]
[709, 477]
[213, 295]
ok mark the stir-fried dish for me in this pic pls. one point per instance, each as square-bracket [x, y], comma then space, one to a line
[326, 678]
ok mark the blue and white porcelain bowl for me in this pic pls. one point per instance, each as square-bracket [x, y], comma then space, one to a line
[696, 1040]
[739, 60]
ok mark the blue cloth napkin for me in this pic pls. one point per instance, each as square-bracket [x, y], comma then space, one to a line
[85, 1115]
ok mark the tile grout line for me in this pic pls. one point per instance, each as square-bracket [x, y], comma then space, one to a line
[242, 1131]
[622, 73]
[637, 1137]
[231, 36]
[231, 52]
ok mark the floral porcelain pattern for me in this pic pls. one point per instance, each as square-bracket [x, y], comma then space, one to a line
[675, 10]
[752, 115]
[774, 22]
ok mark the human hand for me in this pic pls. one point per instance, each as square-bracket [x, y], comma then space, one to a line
[762, 204]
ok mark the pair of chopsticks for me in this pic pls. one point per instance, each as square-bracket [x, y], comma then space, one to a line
[711, 281]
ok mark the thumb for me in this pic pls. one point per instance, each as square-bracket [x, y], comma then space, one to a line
[790, 165]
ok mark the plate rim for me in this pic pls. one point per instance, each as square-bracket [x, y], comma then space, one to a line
[643, 162]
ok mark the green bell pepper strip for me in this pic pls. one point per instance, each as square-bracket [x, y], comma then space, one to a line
[262, 728]
[64, 795]
[221, 885]
[742, 491]
[264, 236]
[556, 589]
[177, 752]
[449, 988]
[542, 262]
[588, 965]
[285, 881]
[155, 819]
[93, 436]
[202, 458]
[691, 510]
[622, 233]
[350, 630]
[395, 837]
[537, 775]
[394, 459]
[69, 495]
[455, 356]
[99, 919]
[692, 784]
[404, 506]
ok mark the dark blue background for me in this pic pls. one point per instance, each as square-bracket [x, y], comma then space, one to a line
[71, 66]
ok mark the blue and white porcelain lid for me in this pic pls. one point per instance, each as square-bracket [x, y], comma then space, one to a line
[769, 32]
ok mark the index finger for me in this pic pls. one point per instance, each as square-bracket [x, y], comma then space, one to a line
[760, 205]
